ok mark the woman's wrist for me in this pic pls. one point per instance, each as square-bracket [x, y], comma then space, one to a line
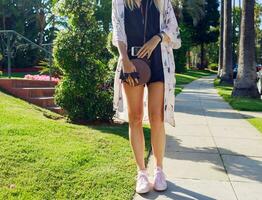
[124, 57]
[157, 38]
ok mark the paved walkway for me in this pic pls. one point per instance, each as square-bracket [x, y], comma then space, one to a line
[213, 153]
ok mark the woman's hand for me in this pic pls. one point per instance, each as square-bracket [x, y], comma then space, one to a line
[129, 67]
[148, 47]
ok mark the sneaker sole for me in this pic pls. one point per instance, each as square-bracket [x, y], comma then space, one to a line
[143, 192]
[160, 190]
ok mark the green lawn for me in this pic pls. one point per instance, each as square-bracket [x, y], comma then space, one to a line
[257, 122]
[43, 158]
[244, 104]
[188, 77]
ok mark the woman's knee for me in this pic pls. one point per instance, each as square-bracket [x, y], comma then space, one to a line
[156, 117]
[135, 118]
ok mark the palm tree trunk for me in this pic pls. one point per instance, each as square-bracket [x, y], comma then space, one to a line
[3, 18]
[240, 18]
[220, 65]
[246, 85]
[227, 72]
[233, 34]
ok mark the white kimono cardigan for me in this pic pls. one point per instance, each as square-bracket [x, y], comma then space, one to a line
[168, 24]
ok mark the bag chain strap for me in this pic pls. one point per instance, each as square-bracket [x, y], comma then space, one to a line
[145, 18]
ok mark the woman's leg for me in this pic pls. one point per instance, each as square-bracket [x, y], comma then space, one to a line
[134, 97]
[156, 118]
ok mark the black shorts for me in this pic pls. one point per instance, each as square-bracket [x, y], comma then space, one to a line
[156, 66]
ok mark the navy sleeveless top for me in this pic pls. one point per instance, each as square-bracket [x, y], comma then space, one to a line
[134, 29]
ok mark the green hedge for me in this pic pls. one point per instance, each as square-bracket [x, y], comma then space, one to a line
[85, 91]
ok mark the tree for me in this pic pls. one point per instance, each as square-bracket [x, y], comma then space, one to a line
[194, 9]
[188, 13]
[236, 33]
[258, 24]
[206, 30]
[103, 13]
[220, 65]
[245, 85]
[227, 69]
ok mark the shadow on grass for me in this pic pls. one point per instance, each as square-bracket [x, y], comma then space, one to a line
[122, 131]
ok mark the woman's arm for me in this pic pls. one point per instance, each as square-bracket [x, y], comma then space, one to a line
[171, 30]
[121, 46]
[128, 66]
[119, 40]
[117, 24]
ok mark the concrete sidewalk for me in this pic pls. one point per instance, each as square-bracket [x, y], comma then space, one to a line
[213, 153]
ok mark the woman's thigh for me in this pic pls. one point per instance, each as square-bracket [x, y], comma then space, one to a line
[156, 100]
[134, 96]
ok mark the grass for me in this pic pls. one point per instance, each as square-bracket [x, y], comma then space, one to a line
[242, 104]
[190, 75]
[256, 122]
[42, 158]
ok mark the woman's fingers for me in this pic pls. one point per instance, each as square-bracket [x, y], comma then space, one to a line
[144, 50]
[131, 81]
[141, 49]
[141, 52]
[149, 54]
[144, 53]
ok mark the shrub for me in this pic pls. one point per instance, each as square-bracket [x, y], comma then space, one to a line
[113, 51]
[213, 66]
[84, 91]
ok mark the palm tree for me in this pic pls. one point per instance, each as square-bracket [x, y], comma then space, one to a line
[245, 85]
[194, 8]
[41, 19]
[227, 72]
[220, 65]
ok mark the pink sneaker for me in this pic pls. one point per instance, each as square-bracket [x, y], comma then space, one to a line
[160, 183]
[142, 184]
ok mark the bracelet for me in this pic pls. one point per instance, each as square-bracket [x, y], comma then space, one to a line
[160, 36]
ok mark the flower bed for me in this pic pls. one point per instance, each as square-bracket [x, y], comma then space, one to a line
[41, 78]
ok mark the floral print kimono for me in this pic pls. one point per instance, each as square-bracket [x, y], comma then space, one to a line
[168, 24]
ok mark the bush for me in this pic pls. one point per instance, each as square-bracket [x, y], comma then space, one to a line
[213, 66]
[112, 63]
[85, 91]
